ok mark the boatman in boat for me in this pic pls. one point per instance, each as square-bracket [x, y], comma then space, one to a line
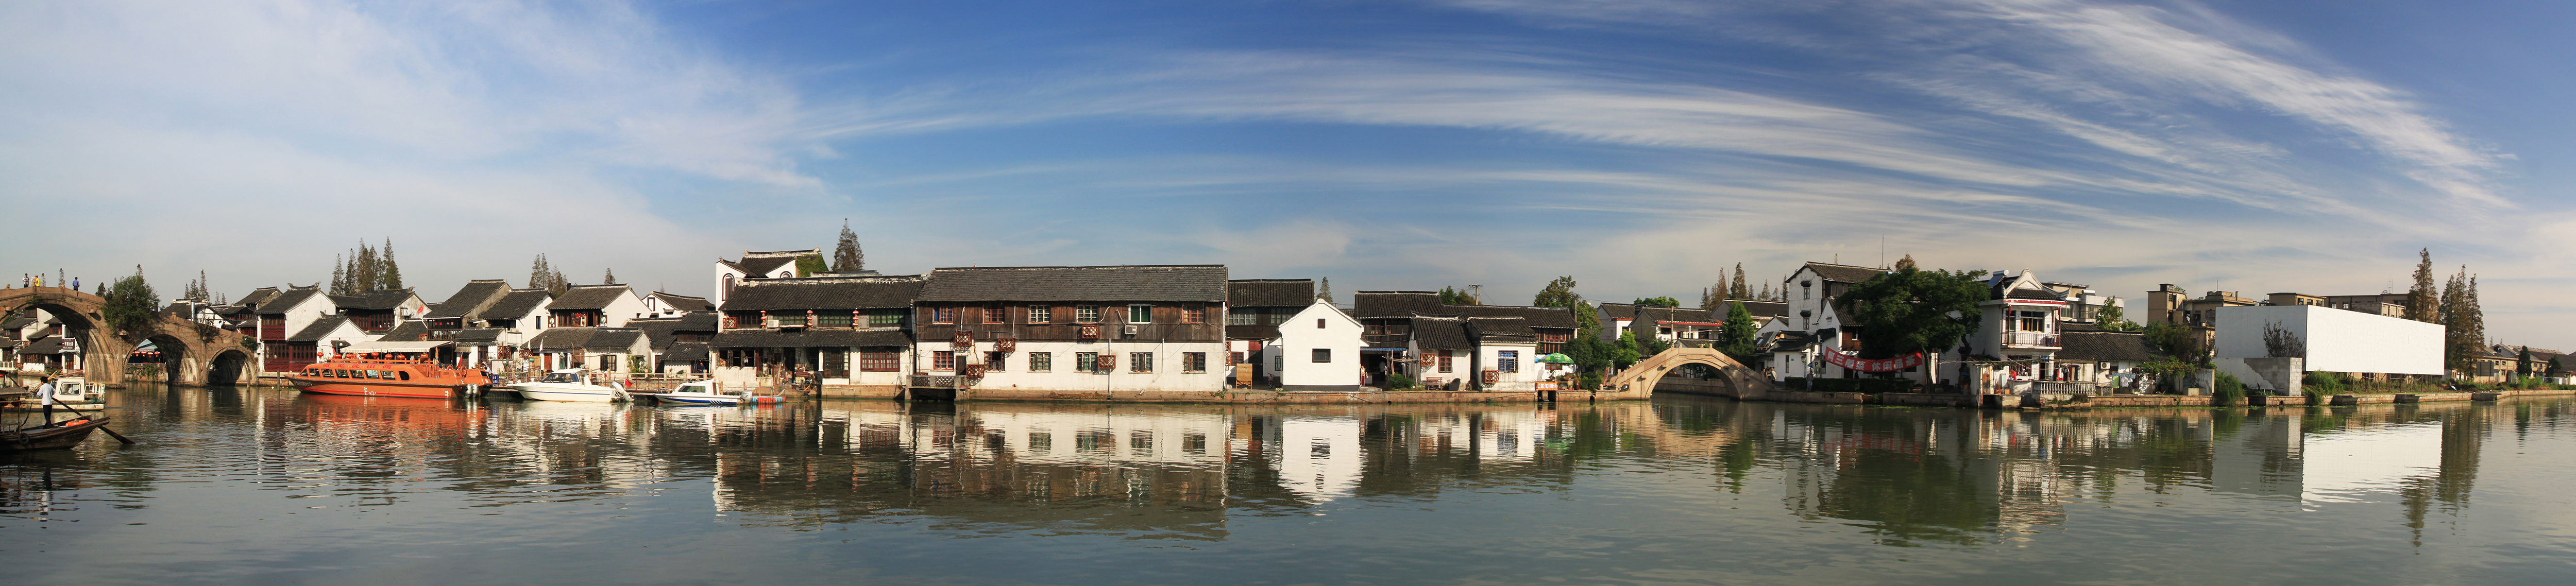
[45, 398]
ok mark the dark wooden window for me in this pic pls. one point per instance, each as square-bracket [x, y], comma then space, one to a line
[993, 361]
[885, 318]
[880, 361]
[1039, 314]
[997, 315]
[833, 318]
[1086, 313]
[943, 315]
[1195, 314]
[1086, 361]
[836, 363]
[1140, 362]
[1446, 356]
[1041, 361]
[1193, 362]
[789, 320]
[1323, 355]
[943, 360]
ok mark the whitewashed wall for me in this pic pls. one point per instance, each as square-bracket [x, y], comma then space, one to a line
[2338, 340]
[1299, 338]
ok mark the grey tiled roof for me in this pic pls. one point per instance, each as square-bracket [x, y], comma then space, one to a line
[44, 345]
[661, 330]
[586, 338]
[1441, 333]
[810, 338]
[589, 297]
[686, 352]
[517, 304]
[1270, 292]
[1365, 304]
[1844, 273]
[1689, 314]
[1107, 283]
[319, 329]
[257, 296]
[476, 295]
[373, 300]
[683, 302]
[410, 331]
[1619, 310]
[288, 299]
[2101, 346]
[1500, 329]
[1536, 317]
[825, 293]
[1380, 304]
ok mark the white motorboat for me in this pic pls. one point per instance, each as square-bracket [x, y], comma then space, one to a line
[568, 385]
[700, 393]
[71, 393]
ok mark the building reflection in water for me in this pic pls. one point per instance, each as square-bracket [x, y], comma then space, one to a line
[1180, 472]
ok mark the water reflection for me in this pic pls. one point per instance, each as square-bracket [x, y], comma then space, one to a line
[1904, 477]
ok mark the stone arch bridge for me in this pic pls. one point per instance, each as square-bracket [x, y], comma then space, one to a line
[1656, 372]
[191, 353]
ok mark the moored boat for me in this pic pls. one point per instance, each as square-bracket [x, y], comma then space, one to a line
[386, 378]
[700, 393]
[71, 393]
[568, 385]
[51, 436]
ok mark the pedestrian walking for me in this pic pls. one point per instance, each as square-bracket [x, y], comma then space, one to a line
[75, 283]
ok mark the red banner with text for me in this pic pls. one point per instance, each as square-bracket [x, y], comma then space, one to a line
[1850, 362]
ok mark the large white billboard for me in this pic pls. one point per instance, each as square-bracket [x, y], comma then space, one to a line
[2337, 340]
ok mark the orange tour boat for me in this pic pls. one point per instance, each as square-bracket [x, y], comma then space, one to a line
[374, 376]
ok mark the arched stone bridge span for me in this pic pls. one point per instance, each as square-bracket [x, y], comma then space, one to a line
[191, 353]
[1734, 378]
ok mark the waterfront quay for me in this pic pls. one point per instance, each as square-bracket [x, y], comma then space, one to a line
[260, 485]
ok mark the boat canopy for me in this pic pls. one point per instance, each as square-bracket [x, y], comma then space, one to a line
[383, 346]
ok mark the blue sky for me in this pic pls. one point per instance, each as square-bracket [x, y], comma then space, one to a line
[1638, 146]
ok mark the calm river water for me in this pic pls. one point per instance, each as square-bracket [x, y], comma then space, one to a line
[268, 486]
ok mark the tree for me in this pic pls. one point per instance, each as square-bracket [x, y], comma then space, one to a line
[1664, 301]
[1324, 290]
[1560, 293]
[1628, 352]
[1910, 311]
[2421, 305]
[131, 305]
[2112, 319]
[846, 256]
[198, 290]
[2176, 342]
[1453, 296]
[1713, 295]
[2464, 327]
[2280, 342]
[2554, 368]
[1765, 295]
[339, 275]
[609, 277]
[2522, 364]
[1737, 290]
[390, 275]
[1906, 263]
[544, 275]
[1736, 337]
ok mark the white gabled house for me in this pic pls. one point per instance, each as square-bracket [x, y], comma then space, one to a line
[756, 265]
[1319, 350]
[594, 306]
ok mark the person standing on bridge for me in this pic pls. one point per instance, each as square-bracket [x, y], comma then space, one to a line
[75, 283]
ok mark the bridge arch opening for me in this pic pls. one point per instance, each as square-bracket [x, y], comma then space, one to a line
[228, 368]
[78, 329]
[168, 361]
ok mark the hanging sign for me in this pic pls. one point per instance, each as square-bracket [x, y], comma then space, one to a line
[1850, 362]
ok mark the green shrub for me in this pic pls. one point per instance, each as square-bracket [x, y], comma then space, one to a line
[2325, 383]
[2229, 392]
[1399, 381]
[1590, 380]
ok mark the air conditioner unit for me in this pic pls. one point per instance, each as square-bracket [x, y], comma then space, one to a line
[1131, 330]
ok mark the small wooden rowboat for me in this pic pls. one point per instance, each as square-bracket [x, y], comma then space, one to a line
[51, 436]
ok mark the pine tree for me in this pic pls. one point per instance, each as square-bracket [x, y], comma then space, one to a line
[2463, 326]
[544, 275]
[391, 276]
[1738, 291]
[608, 278]
[1324, 290]
[339, 275]
[2421, 305]
[1907, 263]
[846, 256]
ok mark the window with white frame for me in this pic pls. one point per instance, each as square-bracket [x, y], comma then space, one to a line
[1140, 362]
[1507, 360]
[1086, 313]
[1140, 314]
[1041, 361]
[1039, 314]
